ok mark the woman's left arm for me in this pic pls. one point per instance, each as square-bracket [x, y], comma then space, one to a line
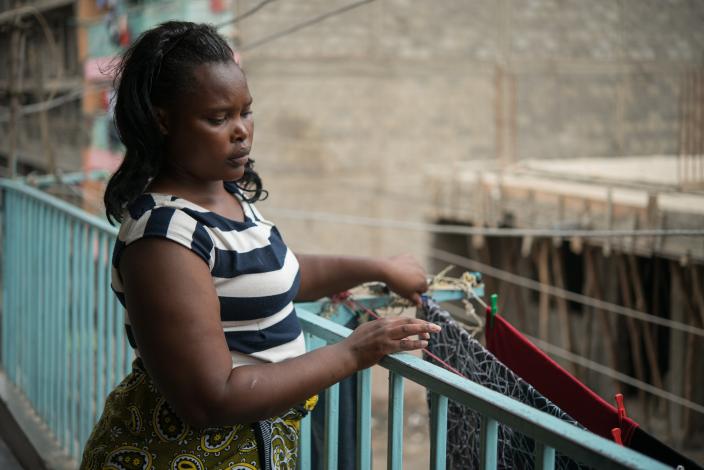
[322, 276]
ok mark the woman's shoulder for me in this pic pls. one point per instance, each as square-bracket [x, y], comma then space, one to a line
[154, 215]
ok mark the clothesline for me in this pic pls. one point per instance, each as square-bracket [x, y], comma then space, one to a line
[528, 283]
[604, 370]
[483, 231]
[553, 349]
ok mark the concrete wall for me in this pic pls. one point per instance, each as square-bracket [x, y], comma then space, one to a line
[356, 108]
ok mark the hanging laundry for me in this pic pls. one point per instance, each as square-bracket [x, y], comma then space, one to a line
[571, 395]
[575, 398]
[658, 450]
[515, 450]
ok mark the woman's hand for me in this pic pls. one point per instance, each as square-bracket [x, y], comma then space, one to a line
[373, 340]
[405, 276]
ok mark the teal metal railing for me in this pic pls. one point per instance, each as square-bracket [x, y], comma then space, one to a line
[63, 347]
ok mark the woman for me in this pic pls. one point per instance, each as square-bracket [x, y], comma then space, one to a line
[222, 377]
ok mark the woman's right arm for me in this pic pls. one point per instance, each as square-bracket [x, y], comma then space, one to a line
[175, 317]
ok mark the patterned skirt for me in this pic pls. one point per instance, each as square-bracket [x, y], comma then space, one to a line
[139, 431]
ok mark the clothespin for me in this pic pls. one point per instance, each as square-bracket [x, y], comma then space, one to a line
[494, 308]
[620, 408]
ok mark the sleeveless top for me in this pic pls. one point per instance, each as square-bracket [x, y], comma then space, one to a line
[255, 275]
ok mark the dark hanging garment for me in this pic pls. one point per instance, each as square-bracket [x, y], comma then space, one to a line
[656, 449]
[571, 395]
[515, 450]
[575, 398]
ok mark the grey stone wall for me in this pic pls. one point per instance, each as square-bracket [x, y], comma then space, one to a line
[358, 107]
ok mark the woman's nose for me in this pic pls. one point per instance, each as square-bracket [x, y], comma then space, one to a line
[240, 131]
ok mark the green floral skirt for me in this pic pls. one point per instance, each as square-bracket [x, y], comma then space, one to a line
[139, 431]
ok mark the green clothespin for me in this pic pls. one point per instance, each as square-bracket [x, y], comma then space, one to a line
[494, 308]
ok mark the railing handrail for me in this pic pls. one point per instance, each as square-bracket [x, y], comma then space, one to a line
[55, 202]
[539, 425]
[548, 431]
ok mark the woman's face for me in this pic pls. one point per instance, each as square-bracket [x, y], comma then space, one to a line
[209, 128]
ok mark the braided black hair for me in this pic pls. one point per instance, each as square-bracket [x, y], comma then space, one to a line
[154, 69]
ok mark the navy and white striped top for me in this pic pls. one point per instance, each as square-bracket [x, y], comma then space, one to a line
[255, 275]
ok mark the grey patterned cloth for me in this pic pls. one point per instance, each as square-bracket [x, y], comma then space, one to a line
[515, 450]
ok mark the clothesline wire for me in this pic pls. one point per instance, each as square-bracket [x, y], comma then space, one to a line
[531, 284]
[557, 351]
[78, 92]
[559, 292]
[303, 24]
[609, 372]
[244, 15]
[483, 231]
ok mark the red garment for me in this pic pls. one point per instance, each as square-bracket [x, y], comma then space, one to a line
[558, 385]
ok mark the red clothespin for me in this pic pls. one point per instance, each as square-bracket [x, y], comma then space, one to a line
[620, 408]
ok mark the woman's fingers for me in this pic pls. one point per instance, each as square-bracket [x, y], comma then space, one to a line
[375, 339]
[410, 327]
[411, 344]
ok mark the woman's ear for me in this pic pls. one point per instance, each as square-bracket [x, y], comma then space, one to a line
[162, 120]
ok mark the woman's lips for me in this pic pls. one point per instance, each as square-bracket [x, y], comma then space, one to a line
[238, 161]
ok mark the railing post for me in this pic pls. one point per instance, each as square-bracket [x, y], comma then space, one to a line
[544, 457]
[332, 425]
[394, 458]
[110, 322]
[9, 237]
[84, 339]
[90, 335]
[305, 457]
[438, 431]
[54, 328]
[31, 367]
[364, 419]
[304, 453]
[74, 338]
[65, 276]
[100, 327]
[488, 442]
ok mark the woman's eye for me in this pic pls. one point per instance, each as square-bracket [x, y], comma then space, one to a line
[247, 113]
[216, 121]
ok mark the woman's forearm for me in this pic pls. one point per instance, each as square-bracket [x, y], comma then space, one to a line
[252, 393]
[257, 392]
[322, 275]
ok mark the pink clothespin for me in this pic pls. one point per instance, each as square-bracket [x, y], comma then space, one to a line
[616, 433]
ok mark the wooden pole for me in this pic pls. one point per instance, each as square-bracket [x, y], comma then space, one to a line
[544, 278]
[678, 340]
[655, 290]
[604, 323]
[648, 339]
[14, 91]
[633, 330]
[562, 310]
[516, 292]
[697, 291]
[694, 312]
[49, 153]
